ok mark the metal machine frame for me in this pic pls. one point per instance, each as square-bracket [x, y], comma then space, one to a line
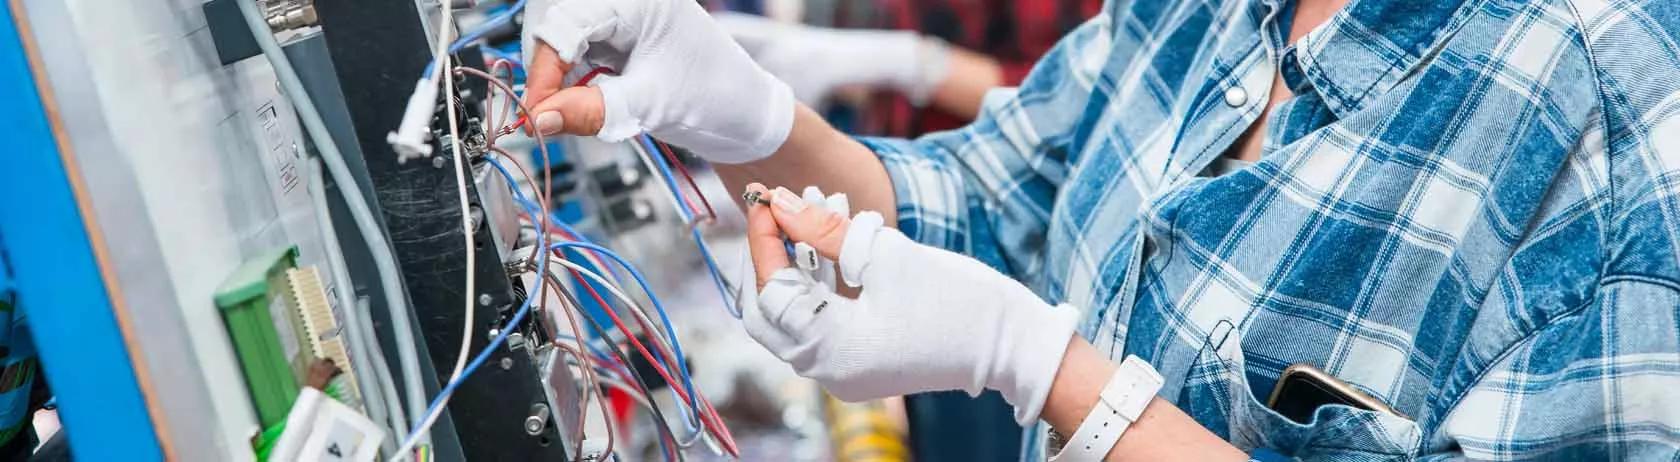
[377, 47]
[60, 264]
[114, 355]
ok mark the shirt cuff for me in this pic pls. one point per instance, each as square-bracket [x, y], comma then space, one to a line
[929, 192]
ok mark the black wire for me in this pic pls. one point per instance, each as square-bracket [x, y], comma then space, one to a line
[663, 425]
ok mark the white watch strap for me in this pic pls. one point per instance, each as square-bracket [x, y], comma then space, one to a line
[1125, 396]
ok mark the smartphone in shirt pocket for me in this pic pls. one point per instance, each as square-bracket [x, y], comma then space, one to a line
[1303, 389]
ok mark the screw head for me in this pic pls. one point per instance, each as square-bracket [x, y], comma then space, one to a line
[484, 299]
[537, 419]
[507, 363]
[437, 161]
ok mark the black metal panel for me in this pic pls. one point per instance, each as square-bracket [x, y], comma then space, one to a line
[228, 31]
[379, 48]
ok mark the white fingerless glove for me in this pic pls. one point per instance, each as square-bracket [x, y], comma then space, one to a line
[816, 61]
[927, 320]
[680, 77]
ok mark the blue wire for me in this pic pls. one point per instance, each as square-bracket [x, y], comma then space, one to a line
[676, 345]
[688, 216]
[525, 308]
[483, 355]
[499, 54]
[665, 173]
[729, 300]
[496, 21]
[689, 420]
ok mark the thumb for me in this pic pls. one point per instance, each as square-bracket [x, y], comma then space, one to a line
[573, 111]
[764, 240]
[545, 73]
[823, 229]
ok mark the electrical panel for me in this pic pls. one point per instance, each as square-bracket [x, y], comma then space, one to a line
[262, 320]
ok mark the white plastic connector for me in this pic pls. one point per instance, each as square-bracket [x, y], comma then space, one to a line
[411, 137]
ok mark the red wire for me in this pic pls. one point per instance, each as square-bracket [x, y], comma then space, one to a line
[686, 200]
[672, 157]
[582, 82]
[665, 149]
[713, 422]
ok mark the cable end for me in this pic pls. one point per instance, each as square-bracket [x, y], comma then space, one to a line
[412, 138]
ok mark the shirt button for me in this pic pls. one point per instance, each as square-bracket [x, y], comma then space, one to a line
[1235, 97]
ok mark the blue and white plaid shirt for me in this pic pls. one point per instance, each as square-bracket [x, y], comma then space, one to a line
[1470, 210]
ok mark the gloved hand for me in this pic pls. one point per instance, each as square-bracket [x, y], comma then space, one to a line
[680, 78]
[805, 257]
[926, 319]
[816, 61]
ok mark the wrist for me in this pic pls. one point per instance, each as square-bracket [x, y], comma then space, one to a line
[1077, 387]
[1032, 355]
[1161, 432]
[809, 135]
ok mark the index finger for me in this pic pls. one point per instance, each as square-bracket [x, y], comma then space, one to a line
[764, 239]
[545, 75]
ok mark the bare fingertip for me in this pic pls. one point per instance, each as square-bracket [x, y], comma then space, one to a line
[551, 122]
[787, 201]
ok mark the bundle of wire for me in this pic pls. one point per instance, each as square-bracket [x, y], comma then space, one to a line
[671, 355]
[666, 354]
[597, 366]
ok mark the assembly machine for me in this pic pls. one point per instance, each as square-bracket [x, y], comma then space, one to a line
[187, 245]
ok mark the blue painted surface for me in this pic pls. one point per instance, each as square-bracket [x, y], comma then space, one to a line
[5, 274]
[57, 279]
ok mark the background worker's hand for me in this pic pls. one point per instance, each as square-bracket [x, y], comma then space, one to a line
[679, 78]
[817, 61]
[926, 319]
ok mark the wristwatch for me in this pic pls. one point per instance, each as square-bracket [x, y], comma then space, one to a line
[1122, 400]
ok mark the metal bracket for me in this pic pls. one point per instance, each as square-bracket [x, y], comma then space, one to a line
[234, 41]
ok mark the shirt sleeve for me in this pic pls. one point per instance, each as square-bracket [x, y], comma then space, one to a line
[986, 189]
[1588, 367]
[1596, 383]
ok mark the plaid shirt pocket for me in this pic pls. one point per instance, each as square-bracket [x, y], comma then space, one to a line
[1217, 393]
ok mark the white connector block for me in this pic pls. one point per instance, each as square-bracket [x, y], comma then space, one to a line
[412, 138]
[321, 429]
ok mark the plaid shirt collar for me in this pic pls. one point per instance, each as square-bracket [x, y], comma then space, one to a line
[1365, 49]
[1359, 54]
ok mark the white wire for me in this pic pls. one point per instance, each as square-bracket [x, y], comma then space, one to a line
[636, 309]
[361, 213]
[658, 338]
[530, 184]
[461, 175]
[444, 72]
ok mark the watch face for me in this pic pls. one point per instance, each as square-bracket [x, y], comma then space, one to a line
[1053, 441]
